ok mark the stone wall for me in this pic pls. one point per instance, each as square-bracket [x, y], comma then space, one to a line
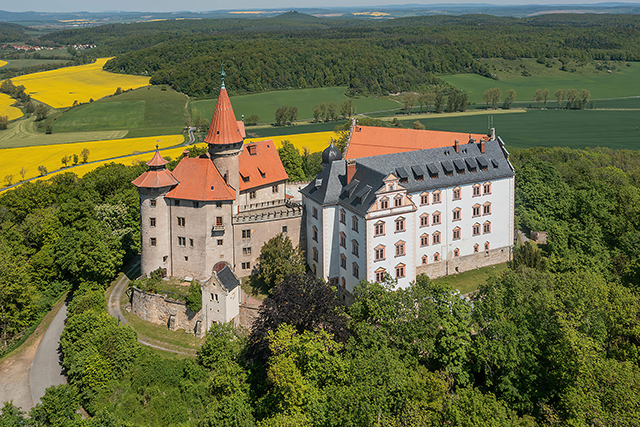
[162, 310]
[465, 263]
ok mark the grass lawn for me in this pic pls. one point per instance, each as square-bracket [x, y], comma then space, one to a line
[550, 128]
[622, 82]
[145, 111]
[253, 286]
[24, 63]
[471, 280]
[161, 333]
[265, 104]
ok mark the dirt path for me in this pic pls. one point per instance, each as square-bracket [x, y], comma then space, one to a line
[16, 366]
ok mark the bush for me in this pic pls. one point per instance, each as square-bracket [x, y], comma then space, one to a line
[194, 299]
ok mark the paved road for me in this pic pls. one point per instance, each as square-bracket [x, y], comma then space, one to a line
[46, 367]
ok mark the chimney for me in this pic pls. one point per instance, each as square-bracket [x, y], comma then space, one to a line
[351, 169]
[185, 153]
[493, 134]
[482, 146]
[456, 145]
[252, 149]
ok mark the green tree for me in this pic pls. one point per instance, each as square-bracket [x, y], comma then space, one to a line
[528, 255]
[545, 96]
[347, 109]
[84, 154]
[560, 95]
[409, 100]
[41, 111]
[74, 158]
[572, 98]
[292, 161]
[278, 259]
[439, 103]
[418, 125]
[58, 408]
[510, 99]
[252, 120]
[65, 160]
[537, 97]
[42, 170]
[4, 122]
[194, 297]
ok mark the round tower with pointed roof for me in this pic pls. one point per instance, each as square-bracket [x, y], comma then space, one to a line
[225, 138]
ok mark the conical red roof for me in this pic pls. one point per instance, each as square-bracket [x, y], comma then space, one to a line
[157, 160]
[224, 127]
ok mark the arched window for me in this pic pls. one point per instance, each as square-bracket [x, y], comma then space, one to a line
[486, 246]
[476, 248]
[315, 233]
[425, 259]
[355, 248]
[456, 253]
[436, 257]
[343, 240]
[456, 193]
[343, 261]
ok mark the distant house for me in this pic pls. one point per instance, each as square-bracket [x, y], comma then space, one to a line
[404, 202]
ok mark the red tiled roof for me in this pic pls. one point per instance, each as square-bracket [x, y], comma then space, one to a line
[155, 179]
[369, 141]
[262, 168]
[157, 160]
[224, 128]
[241, 127]
[200, 180]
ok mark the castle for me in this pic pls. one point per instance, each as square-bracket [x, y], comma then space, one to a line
[404, 202]
[215, 209]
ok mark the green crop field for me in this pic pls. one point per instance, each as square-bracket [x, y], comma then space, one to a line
[24, 63]
[265, 104]
[145, 111]
[622, 82]
[618, 129]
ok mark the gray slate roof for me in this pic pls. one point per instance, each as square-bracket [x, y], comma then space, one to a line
[441, 167]
[228, 279]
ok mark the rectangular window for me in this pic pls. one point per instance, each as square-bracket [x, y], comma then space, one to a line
[218, 220]
[274, 189]
[400, 224]
[436, 218]
[436, 238]
[424, 199]
[315, 254]
[486, 209]
[196, 204]
[314, 212]
[379, 228]
[246, 251]
[456, 215]
[343, 261]
[220, 242]
[191, 242]
[246, 234]
[181, 221]
[354, 248]
[476, 190]
[424, 220]
[354, 223]
[456, 194]
[400, 271]
[315, 234]
[176, 203]
[487, 188]
[252, 194]
[380, 275]
[284, 228]
[476, 210]
[246, 265]
[476, 229]
[400, 249]
[343, 217]
[436, 197]
[182, 241]
[384, 204]
[218, 204]
[355, 270]
[152, 222]
[343, 240]
[153, 203]
[398, 201]
[152, 241]
[379, 254]
[456, 234]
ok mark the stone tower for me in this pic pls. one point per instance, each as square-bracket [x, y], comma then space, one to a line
[155, 212]
[225, 140]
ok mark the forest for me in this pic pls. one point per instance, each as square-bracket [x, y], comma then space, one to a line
[295, 50]
[551, 341]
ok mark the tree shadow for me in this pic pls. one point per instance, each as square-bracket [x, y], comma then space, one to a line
[257, 287]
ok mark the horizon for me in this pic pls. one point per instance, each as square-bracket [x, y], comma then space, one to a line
[197, 6]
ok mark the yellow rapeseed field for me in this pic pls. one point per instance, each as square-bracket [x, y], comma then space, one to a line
[6, 109]
[60, 88]
[12, 160]
[313, 142]
[3, 63]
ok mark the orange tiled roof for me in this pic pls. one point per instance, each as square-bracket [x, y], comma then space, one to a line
[241, 127]
[369, 141]
[157, 160]
[262, 168]
[200, 180]
[224, 128]
[155, 179]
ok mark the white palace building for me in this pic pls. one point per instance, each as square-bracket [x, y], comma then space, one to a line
[406, 202]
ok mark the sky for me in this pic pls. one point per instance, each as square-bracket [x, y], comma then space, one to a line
[208, 5]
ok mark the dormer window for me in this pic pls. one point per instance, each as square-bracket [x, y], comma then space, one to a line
[252, 148]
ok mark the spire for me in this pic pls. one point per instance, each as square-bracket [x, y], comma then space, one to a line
[222, 74]
[157, 159]
[224, 128]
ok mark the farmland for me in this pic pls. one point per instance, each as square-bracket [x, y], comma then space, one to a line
[49, 156]
[62, 87]
[622, 82]
[6, 109]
